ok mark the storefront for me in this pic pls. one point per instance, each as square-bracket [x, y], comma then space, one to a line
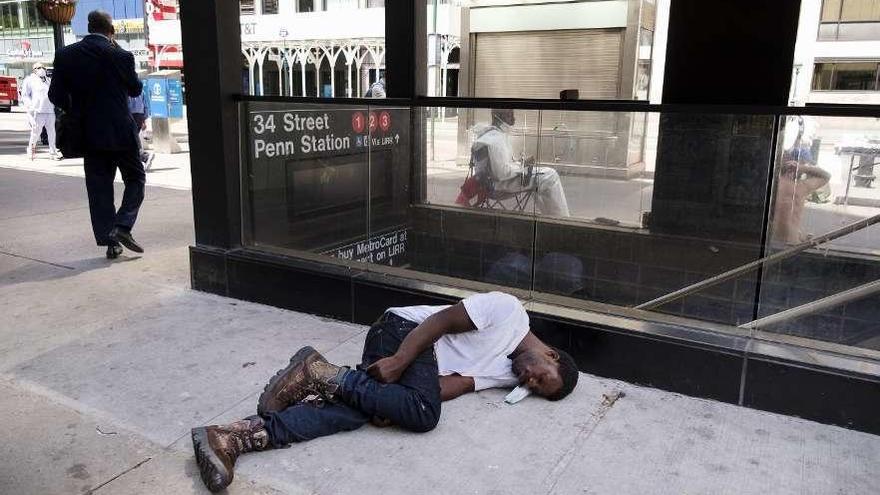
[343, 207]
[25, 38]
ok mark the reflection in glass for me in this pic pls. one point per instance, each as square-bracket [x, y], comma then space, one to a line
[463, 196]
[824, 185]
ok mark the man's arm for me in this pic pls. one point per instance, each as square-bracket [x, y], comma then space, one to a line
[26, 93]
[133, 85]
[453, 386]
[813, 178]
[453, 319]
[59, 94]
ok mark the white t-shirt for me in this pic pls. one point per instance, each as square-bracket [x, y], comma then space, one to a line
[501, 323]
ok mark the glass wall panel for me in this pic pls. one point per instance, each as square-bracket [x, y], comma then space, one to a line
[635, 236]
[306, 178]
[542, 204]
[473, 216]
[825, 181]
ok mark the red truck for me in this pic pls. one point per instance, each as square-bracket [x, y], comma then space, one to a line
[8, 93]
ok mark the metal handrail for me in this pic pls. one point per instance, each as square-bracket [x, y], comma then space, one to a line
[831, 301]
[766, 261]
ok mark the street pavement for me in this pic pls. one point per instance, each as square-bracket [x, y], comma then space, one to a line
[105, 367]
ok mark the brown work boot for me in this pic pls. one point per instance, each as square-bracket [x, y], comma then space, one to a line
[307, 374]
[217, 448]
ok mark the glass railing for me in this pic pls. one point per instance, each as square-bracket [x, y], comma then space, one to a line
[704, 218]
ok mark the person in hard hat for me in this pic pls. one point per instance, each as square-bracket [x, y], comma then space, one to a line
[510, 175]
[41, 111]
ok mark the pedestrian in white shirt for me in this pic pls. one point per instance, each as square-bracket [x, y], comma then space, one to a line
[41, 111]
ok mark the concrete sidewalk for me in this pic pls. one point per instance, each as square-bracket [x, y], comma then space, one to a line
[167, 170]
[104, 368]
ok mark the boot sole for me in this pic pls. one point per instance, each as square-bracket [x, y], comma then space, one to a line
[209, 464]
[295, 361]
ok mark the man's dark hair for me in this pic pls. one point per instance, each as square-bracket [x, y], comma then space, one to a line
[100, 22]
[568, 371]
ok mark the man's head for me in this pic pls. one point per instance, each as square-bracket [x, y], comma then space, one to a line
[503, 116]
[550, 372]
[100, 22]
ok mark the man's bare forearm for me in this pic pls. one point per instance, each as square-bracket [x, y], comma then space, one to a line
[451, 320]
[453, 386]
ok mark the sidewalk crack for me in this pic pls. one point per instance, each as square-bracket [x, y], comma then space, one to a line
[111, 480]
[37, 261]
[586, 430]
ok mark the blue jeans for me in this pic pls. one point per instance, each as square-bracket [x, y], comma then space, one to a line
[413, 403]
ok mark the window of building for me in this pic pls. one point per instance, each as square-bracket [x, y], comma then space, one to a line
[270, 7]
[9, 17]
[308, 5]
[850, 20]
[846, 76]
[33, 19]
[248, 7]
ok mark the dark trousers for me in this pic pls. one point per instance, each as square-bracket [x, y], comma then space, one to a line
[100, 168]
[413, 403]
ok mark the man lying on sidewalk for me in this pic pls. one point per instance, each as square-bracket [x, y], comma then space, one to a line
[413, 358]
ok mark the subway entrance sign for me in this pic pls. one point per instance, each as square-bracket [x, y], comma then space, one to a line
[332, 180]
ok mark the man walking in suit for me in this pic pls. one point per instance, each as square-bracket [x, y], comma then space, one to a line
[92, 81]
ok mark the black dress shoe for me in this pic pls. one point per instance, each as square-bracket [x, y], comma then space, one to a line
[124, 237]
[113, 252]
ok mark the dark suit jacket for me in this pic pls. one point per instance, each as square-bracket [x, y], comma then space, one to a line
[92, 80]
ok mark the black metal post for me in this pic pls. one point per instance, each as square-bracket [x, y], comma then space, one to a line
[212, 63]
[58, 33]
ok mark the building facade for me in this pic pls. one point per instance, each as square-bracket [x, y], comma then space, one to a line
[837, 56]
[128, 20]
[25, 38]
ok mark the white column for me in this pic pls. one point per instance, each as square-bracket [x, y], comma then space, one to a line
[318, 77]
[280, 65]
[289, 77]
[260, 72]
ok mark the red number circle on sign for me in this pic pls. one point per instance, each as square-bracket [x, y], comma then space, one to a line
[358, 123]
[385, 121]
[373, 122]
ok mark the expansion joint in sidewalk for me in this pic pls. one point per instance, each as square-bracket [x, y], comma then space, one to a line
[37, 261]
[586, 429]
[111, 480]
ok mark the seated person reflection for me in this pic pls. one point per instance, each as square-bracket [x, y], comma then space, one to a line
[510, 176]
[413, 359]
[798, 179]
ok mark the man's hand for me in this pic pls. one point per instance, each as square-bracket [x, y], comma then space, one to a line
[388, 370]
